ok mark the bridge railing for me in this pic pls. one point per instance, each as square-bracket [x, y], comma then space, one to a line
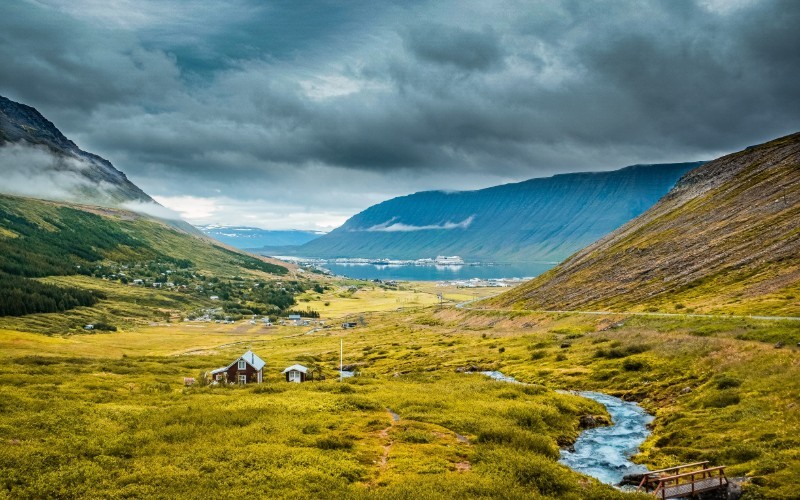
[651, 478]
[691, 482]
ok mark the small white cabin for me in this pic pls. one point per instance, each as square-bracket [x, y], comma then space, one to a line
[296, 373]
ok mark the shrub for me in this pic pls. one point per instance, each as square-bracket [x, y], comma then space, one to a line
[727, 382]
[156, 387]
[531, 470]
[268, 388]
[311, 429]
[418, 436]
[741, 452]
[722, 399]
[360, 403]
[633, 365]
[334, 443]
[520, 440]
[534, 389]
[621, 352]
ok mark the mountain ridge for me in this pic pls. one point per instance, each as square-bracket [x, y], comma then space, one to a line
[540, 219]
[726, 238]
[31, 139]
[249, 238]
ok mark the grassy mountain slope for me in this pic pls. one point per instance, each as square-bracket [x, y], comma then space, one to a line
[52, 254]
[539, 219]
[725, 239]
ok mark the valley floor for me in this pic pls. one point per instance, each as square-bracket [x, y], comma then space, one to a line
[107, 415]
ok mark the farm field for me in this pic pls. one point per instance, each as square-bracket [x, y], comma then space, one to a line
[107, 414]
[370, 297]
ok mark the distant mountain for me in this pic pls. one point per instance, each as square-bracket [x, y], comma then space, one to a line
[37, 160]
[725, 239]
[544, 219]
[245, 237]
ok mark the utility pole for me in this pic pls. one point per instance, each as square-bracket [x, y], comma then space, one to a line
[341, 357]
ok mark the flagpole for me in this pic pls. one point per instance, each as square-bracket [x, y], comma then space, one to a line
[341, 355]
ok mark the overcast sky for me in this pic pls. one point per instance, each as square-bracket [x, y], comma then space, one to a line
[298, 114]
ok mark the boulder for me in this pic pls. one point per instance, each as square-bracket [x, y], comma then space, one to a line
[591, 421]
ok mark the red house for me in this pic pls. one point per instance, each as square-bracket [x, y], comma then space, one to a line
[246, 369]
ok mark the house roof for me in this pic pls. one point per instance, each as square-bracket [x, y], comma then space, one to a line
[294, 316]
[253, 360]
[250, 357]
[299, 368]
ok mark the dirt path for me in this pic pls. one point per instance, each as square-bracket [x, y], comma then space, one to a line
[383, 462]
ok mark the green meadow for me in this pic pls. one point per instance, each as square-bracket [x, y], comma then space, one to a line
[107, 414]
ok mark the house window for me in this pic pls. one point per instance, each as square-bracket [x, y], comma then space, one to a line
[242, 379]
[219, 376]
[242, 364]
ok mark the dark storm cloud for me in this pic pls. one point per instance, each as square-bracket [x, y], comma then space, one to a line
[442, 44]
[259, 98]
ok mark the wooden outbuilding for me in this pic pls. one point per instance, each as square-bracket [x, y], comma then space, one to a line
[248, 368]
[296, 373]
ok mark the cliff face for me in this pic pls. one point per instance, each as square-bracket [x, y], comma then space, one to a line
[539, 219]
[33, 151]
[726, 238]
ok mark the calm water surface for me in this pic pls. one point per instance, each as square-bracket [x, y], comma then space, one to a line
[440, 273]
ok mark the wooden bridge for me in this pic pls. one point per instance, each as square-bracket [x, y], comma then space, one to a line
[672, 483]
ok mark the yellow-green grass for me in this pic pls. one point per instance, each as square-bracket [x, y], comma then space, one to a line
[78, 426]
[740, 408]
[340, 302]
[457, 294]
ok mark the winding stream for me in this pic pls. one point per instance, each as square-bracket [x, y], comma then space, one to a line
[604, 452]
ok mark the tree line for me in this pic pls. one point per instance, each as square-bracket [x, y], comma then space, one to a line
[20, 296]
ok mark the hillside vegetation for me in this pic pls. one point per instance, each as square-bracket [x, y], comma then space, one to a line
[543, 219]
[726, 239]
[55, 257]
[108, 415]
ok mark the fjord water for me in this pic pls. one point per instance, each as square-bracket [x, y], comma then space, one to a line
[604, 452]
[440, 273]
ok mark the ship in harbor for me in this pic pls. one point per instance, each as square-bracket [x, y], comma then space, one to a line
[454, 260]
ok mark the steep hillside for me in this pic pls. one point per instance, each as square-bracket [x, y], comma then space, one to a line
[539, 219]
[89, 264]
[725, 239]
[36, 159]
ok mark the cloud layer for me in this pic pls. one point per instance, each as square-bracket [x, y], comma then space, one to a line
[391, 226]
[34, 171]
[290, 113]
